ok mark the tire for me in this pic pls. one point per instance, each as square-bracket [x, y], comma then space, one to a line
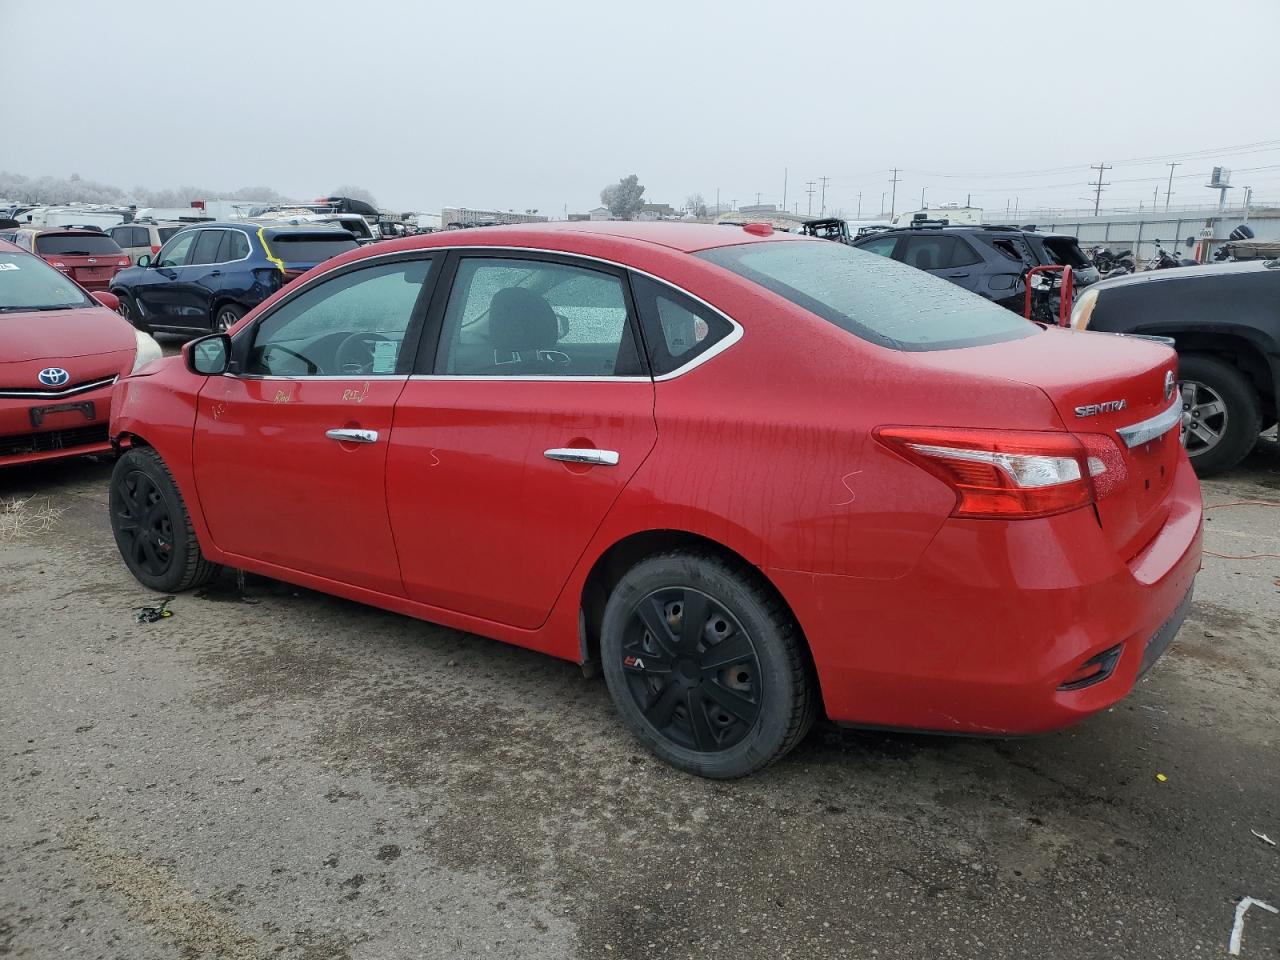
[225, 317]
[129, 310]
[709, 710]
[1221, 413]
[152, 527]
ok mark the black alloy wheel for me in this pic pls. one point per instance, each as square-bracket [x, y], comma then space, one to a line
[151, 525]
[692, 669]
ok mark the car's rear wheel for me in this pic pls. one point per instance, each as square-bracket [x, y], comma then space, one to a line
[129, 310]
[705, 665]
[151, 525]
[1221, 413]
[225, 317]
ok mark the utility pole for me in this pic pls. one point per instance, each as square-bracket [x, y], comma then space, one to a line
[893, 202]
[1155, 198]
[823, 211]
[1248, 196]
[1098, 184]
[757, 198]
[809, 191]
[1169, 190]
[922, 206]
[882, 193]
[859, 216]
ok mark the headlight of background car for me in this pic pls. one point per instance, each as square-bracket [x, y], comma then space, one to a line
[1083, 310]
[147, 350]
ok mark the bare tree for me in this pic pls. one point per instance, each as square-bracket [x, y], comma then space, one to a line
[695, 205]
[624, 198]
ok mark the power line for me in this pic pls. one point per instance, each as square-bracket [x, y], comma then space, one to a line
[1097, 196]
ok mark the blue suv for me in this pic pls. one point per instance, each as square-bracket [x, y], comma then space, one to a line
[207, 277]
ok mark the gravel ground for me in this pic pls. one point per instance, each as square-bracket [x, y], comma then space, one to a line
[303, 777]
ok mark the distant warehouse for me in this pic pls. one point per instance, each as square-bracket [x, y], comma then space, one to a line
[469, 217]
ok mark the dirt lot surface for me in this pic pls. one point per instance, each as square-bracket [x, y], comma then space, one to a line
[303, 777]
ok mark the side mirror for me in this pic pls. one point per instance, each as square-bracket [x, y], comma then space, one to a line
[144, 260]
[108, 300]
[209, 356]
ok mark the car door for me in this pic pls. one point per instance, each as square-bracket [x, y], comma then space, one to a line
[527, 421]
[290, 448]
[156, 291]
[203, 277]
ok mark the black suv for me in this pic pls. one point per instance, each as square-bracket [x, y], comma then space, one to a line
[992, 261]
[1225, 323]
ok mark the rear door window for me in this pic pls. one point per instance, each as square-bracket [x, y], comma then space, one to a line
[938, 252]
[879, 300]
[509, 317]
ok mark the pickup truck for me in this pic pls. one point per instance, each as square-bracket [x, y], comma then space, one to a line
[1224, 320]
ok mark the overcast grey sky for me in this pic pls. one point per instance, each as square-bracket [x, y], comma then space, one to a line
[518, 105]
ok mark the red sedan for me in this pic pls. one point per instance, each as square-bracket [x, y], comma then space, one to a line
[60, 352]
[89, 257]
[752, 477]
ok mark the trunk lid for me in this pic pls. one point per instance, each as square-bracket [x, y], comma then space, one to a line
[1119, 395]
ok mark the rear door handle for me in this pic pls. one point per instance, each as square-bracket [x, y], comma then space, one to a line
[216, 273]
[599, 458]
[353, 436]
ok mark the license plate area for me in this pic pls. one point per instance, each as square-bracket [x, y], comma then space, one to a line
[85, 407]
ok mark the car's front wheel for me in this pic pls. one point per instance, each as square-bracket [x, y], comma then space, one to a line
[151, 525]
[705, 665]
[1221, 413]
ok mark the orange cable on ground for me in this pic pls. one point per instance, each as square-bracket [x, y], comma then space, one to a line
[1243, 503]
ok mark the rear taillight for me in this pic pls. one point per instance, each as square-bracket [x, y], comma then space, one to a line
[122, 262]
[999, 474]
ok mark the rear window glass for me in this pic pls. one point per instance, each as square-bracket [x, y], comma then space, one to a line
[310, 248]
[877, 299]
[1065, 251]
[72, 244]
[166, 232]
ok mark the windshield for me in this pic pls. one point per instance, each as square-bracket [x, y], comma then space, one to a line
[311, 247]
[28, 283]
[872, 297]
[77, 244]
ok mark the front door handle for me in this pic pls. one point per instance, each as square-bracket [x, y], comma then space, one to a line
[597, 458]
[353, 436]
[216, 273]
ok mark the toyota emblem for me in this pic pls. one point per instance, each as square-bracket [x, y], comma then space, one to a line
[53, 376]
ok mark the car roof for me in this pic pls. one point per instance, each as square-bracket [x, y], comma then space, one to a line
[683, 237]
[1204, 271]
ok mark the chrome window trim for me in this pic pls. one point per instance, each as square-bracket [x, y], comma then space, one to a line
[17, 393]
[221, 263]
[1135, 435]
[716, 349]
[304, 378]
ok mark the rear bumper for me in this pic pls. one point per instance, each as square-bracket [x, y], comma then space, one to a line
[982, 635]
[59, 433]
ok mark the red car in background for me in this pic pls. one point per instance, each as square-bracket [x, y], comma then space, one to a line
[60, 352]
[754, 477]
[89, 257]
